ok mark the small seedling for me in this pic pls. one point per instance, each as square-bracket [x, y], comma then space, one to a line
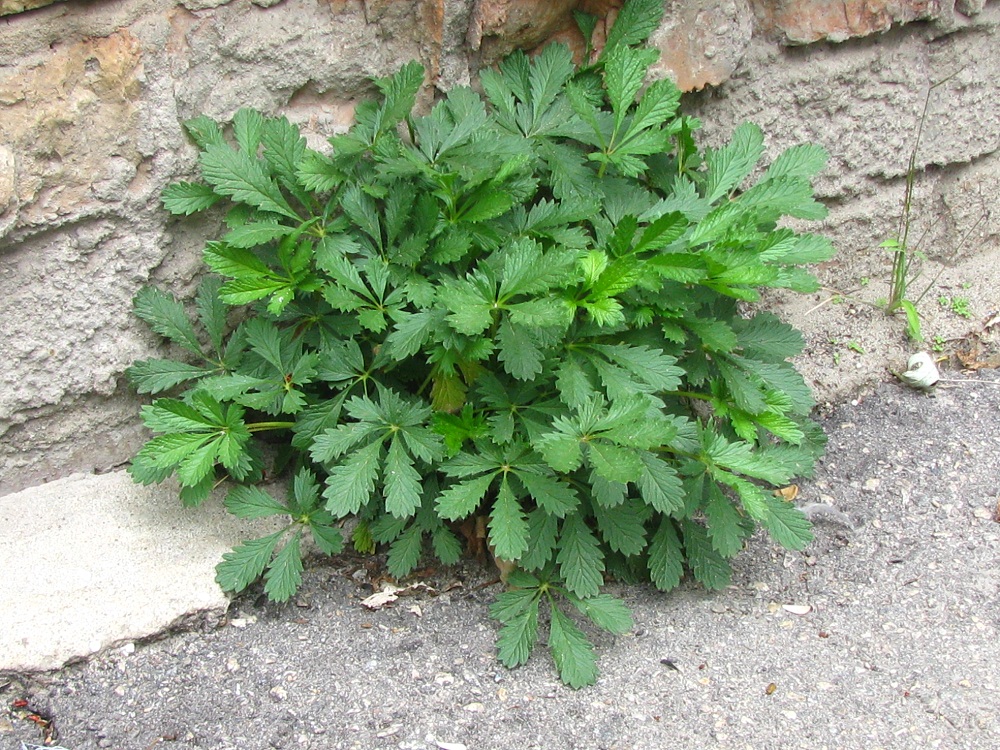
[957, 305]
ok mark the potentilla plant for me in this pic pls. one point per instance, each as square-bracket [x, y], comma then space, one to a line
[520, 313]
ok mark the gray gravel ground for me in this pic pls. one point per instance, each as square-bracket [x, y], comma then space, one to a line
[899, 650]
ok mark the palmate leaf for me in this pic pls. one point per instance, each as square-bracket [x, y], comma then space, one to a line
[186, 198]
[581, 562]
[461, 499]
[542, 532]
[623, 527]
[554, 497]
[244, 564]
[571, 651]
[251, 279]
[508, 526]
[284, 574]
[352, 482]
[158, 375]
[253, 502]
[635, 22]
[665, 557]
[725, 527]
[167, 317]
[804, 160]
[198, 436]
[709, 567]
[519, 631]
[241, 177]
[730, 165]
[786, 523]
[605, 612]
[404, 553]
[401, 481]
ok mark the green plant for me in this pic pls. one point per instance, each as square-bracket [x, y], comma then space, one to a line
[524, 312]
[905, 255]
[957, 305]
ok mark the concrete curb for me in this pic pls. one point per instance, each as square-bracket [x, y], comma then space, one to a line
[91, 561]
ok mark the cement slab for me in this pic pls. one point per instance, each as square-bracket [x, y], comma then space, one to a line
[93, 560]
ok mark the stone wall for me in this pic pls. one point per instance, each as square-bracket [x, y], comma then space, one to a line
[93, 94]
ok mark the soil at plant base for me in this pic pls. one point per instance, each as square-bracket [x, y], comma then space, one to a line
[852, 344]
[882, 634]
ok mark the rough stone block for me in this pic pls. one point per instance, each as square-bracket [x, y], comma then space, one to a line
[970, 7]
[69, 123]
[10, 7]
[702, 41]
[498, 27]
[806, 21]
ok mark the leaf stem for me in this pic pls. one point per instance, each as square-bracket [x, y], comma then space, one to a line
[262, 426]
[688, 394]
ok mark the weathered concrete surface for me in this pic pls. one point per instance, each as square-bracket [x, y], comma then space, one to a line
[894, 642]
[89, 561]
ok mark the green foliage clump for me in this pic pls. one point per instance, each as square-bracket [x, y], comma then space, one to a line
[524, 309]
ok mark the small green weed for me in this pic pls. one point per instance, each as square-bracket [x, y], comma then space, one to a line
[957, 305]
[854, 346]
